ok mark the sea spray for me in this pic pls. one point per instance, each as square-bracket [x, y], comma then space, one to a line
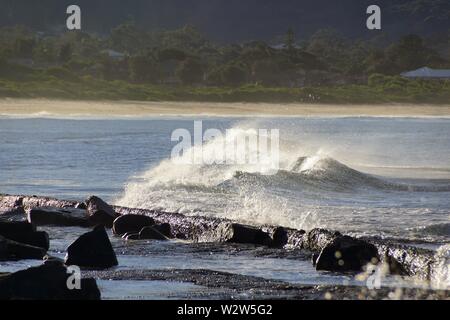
[440, 278]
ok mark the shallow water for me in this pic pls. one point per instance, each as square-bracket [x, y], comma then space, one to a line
[295, 268]
[373, 176]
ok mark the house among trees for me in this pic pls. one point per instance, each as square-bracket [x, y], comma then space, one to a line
[427, 73]
[115, 55]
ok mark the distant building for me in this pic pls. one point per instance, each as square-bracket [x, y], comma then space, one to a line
[282, 46]
[114, 54]
[427, 73]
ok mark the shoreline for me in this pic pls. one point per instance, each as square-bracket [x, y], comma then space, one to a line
[12, 107]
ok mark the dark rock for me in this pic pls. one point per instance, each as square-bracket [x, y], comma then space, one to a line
[151, 233]
[238, 233]
[12, 250]
[13, 227]
[11, 201]
[395, 267]
[131, 223]
[81, 205]
[64, 217]
[181, 236]
[51, 260]
[124, 236]
[417, 262]
[46, 282]
[34, 201]
[317, 239]
[92, 250]
[14, 211]
[279, 237]
[35, 239]
[314, 257]
[345, 253]
[132, 236]
[25, 233]
[164, 229]
[100, 213]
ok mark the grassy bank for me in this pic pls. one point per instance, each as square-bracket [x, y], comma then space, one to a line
[379, 90]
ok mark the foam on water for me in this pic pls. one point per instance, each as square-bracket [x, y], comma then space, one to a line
[307, 192]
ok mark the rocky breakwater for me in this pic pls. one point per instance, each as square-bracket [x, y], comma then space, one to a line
[19, 239]
[330, 250]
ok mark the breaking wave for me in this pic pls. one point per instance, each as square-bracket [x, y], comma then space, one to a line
[306, 192]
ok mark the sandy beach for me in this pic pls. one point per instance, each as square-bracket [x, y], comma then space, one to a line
[45, 107]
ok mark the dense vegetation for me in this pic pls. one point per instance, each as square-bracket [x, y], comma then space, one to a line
[135, 64]
[231, 21]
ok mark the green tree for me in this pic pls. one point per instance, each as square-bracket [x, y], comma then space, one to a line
[230, 75]
[187, 38]
[167, 54]
[330, 47]
[190, 71]
[410, 53]
[24, 47]
[266, 72]
[128, 38]
[65, 53]
[46, 50]
[144, 68]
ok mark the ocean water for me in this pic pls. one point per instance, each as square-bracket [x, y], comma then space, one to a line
[386, 177]
[380, 177]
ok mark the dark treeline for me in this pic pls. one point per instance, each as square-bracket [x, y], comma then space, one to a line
[231, 21]
[185, 56]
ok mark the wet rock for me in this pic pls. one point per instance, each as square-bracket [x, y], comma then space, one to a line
[14, 211]
[124, 236]
[7, 201]
[131, 223]
[164, 229]
[181, 236]
[317, 239]
[132, 236]
[150, 233]
[51, 260]
[46, 282]
[13, 227]
[100, 213]
[238, 233]
[12, 250]
[35, 239]
[395, 267]
[345, 253]
[35, 201]
[92, 250]
[414, 261]
[63, 217]
[81, 205]
[314, 257]
[24, 232]
[279, 237]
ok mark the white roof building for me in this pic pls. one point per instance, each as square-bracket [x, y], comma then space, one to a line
[427, 73]
[114, 54]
